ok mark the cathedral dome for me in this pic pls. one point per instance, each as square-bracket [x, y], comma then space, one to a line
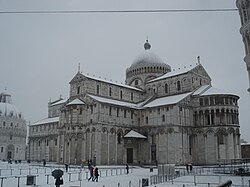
[7, 108]
[145, 67]
[147, 58]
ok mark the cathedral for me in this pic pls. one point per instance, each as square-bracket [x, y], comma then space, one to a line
[160, 115]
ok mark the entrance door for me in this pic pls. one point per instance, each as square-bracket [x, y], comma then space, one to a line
[130, 155]
[9, 155]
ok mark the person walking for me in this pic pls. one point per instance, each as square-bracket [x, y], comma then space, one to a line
[187, 167]
[59, 182]
[66, 167]
[91, 173]
[96, 175]
[127, 168]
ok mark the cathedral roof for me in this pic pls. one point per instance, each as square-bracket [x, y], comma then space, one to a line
[76, 102]
[175, 72]
[210, 90]
[168, 100]
[113, 101]
[46, 120]
[7, 108]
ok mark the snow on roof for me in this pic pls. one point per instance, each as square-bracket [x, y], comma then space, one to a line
[210, 90]
[168, 100]
[76, 102]
[46, 120]
[62, 101]
[175, 72]
[201, 90]
[115, 83]
[134, 134]
[113, 101]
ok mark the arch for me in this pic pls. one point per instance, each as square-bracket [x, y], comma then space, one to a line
[220, 131]
[93, 129]
[231, 130]
[170, 130]
[104, 129]
[210, 131]
[112, 131]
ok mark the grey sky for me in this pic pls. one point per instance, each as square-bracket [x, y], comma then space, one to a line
[39, 53]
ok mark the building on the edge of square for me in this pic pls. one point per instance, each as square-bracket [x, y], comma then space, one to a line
[244, 11]
[13, 130]
[159, 116]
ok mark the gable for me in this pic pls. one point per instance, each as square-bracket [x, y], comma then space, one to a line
[200, 71]
[77, 78]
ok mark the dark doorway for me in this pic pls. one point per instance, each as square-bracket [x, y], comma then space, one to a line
[9, 155]
[130, 155]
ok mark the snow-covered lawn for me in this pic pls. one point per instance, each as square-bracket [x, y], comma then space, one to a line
[110, 176]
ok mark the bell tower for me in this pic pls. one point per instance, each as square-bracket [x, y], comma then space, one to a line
[244, 11]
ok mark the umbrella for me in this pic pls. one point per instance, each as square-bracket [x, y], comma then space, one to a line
[57, 173]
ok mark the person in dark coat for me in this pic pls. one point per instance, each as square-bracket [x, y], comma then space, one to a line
[66, 167]
[187, 167]
[91, 173]
[96, 175]
[191, 167]
[127, 168]
[59, 182]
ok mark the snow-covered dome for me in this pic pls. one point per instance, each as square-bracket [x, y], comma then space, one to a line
[6, 106]
[147, 58]
[145, 67]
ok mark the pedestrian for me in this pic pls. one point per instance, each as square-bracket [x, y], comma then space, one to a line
[96, 175]
[191, 168]
[127, 168]
[187, 168]
[66, 167]
[91, 173]
[44, 162]
[59, 182]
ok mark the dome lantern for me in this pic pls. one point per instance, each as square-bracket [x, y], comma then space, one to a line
[147, 45]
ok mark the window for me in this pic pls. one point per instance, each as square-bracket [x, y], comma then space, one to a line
[119, 137]
[146, 120]
[17, 150]
[39, 143]
[121, 94]
[117, 112]
[132, 114]
[91, 109]
[4, 123]
[97, 89]
[178, 85]
[163, 118]
[11, 137]
[201, 102]
[132, 96]
[55, 142]
[220, 139]
[166, 88]
[78, 90]
[136, 82]
[125, 113]
[110, 110]
[1, 149]
[47, 142]
[110, 91]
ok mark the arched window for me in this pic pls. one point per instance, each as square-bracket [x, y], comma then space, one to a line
[178, 85]
[97, 89]
[166, 88]
[119, 138]
[110, 91]
[163, 118]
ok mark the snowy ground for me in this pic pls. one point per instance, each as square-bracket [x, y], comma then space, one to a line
[111, 176]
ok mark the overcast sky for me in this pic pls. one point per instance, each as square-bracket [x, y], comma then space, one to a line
[39, 53]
